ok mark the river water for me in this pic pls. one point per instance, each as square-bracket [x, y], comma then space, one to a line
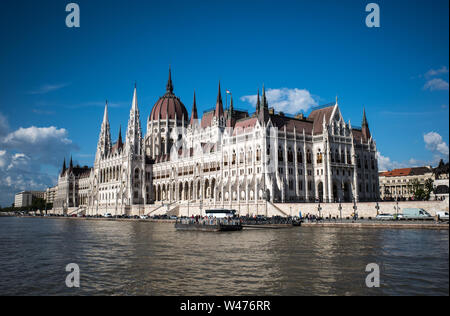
[141, 258]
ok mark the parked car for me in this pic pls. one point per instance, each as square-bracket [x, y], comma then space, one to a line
[107, 215]
[442, 215]
[143, 217]
[385, 217]
[416, 213]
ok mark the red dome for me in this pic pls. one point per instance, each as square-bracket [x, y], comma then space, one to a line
[169, 106]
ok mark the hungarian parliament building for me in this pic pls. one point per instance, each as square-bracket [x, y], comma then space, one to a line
[228, 158]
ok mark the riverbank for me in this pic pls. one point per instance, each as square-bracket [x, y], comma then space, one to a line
[396, 225]
[343, 224]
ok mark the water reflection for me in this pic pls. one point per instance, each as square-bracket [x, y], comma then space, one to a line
[135, 258]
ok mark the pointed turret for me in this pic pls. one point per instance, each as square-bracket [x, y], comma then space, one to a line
[264, 103]
[169, 86]
[194, 114]
[134, 133]
[64, 167]
[365, 126]
[71, 164]
[258, 103]
[119, 141]
[219, 105]
[104, 140]
[263, 111]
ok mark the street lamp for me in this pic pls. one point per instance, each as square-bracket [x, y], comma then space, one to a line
[355, 208]
[377, 207]
[319, 208]
[340, 209]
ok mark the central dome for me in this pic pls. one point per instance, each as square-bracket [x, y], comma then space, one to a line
[169, 105]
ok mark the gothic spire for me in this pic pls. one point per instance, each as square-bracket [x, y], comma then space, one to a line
[71, 164]
[105, 114]
[364, 120]
[64, 166]
[365, 126]
[169, 86]
[134, 102]
[119, 141]
[219, 105]
[264, 99]
[194, 114]
[134, 133]
[258, 103]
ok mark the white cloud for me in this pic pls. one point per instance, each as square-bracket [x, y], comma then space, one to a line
[436, 84]
[434, 143]
[44, 145]
[289, 101]
[436, 72]
[23, 152]
[48, 88]
[385, 163]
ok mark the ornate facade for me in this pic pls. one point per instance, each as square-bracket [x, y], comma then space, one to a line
[226, 157]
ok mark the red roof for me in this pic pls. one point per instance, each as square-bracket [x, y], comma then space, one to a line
[405, 172]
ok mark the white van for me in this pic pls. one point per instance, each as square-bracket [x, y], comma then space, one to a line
[442, 215]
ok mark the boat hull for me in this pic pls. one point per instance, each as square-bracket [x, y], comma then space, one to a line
[208, 228]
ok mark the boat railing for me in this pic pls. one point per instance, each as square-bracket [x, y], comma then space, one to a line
[209, 221]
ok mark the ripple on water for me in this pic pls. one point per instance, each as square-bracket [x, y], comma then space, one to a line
[134, 258]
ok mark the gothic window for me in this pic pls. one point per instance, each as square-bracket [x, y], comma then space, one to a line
[299, 156]
[349, 159]
[225, 159]
[342, 156]
[290, 156]
[249, 156]
[280, 154]
[136, 174]
[233, 159]
[241, 157]
[319, 157]
[258, 154]
[308, 157]
[338, 160]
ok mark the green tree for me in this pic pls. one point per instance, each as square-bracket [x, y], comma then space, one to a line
[418, 191]
[428, 188]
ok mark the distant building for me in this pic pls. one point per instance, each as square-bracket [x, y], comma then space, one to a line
[50, 194]
[23, 199]
[441, 182]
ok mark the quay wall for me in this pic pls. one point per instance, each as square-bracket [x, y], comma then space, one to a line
[364, 209]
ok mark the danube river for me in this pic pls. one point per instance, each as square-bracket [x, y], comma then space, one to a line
[140, 258]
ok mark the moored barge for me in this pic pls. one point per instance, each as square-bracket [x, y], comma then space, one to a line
[215, 221]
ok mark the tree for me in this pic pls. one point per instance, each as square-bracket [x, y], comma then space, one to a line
[428, 188]
[417, 190]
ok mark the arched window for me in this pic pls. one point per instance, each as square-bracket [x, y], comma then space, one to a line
[280, 154]
[299, 156]
[308, 156]
[258, 154]
[136, 174]
[233, 159]
[338, 160]
[290, 156]
[225, 159]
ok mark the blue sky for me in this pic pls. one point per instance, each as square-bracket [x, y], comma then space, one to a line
[54, 80]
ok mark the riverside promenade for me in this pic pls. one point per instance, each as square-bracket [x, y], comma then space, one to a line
[351, 224]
